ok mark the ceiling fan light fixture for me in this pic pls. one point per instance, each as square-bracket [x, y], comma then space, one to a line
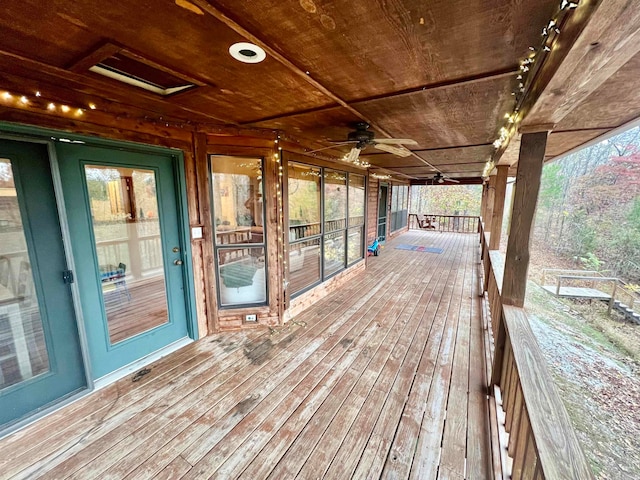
[247, 52]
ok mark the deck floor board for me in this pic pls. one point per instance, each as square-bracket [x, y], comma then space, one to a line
[385, 381]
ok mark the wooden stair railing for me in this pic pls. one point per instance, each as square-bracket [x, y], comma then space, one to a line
[542, 443]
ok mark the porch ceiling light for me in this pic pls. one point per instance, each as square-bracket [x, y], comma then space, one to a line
[247, 52]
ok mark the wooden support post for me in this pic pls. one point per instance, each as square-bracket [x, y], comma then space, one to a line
[530, 162]
[613, 297]
[483, 202]
[491, 190]
[204, 207]
[498, 207]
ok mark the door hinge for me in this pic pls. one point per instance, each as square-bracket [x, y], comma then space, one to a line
[67, 276]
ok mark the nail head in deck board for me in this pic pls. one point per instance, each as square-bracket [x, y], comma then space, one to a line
[530, 164]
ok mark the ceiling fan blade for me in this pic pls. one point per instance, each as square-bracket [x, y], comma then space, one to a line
[353, 155]
[396, 141]
[327, 148]
[449, 179]
[399, 151]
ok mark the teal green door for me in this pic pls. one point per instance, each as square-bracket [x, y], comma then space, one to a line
[123, 218]
[40, 356]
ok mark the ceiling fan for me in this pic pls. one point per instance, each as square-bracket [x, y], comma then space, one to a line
[440, 178]
[362, 138]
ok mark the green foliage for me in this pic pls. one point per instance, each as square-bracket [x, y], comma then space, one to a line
[589, 206]
[552, 186]
[446, 199]
[591, 262]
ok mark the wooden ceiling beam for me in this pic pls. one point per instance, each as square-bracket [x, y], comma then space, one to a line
[436, 149]
[460, 181]
[481, 163]
[506, 72]
[606, 43]
[221, 16]
[547, 64]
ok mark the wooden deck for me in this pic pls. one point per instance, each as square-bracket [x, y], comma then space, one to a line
[578, 292]
[386, 380]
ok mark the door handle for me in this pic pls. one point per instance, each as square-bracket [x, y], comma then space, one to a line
[177, 262]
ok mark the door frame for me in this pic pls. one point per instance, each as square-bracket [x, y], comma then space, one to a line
[387, 187]
[48, 137]
[75, 292]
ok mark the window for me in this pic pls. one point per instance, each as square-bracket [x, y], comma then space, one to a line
[305, 227]
[357, 199]
[238, 214]
[326, 223]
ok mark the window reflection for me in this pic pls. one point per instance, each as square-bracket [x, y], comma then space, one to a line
[126, 226]
[304, 264]
[238, 212]
[304, 201]
[23, 350]
[334, 252]
[335, 200]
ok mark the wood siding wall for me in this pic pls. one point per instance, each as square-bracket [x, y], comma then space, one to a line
[197, 142]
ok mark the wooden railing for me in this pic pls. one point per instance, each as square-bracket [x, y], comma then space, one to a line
[613, 286]
[306, 230]
[528, 409]
[444, 223]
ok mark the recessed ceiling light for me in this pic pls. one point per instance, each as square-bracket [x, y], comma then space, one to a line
[247, 52]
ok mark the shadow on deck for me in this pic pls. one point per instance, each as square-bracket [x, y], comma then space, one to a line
[386, 379]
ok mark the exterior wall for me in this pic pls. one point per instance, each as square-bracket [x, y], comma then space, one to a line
[196, 143]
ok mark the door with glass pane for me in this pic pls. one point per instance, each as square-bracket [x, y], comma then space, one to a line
[40, 356]
[124, 223]
[382, 212]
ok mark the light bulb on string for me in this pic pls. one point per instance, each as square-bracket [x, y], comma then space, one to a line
[567, 4]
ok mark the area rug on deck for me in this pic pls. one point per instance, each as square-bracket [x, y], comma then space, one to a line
[419, 248]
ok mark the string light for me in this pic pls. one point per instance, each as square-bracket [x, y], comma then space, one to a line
[7, 96]
[380, 177]
[24, 100]
[92, 106]
[568, 5]
[488, 167]
[51, 106]
[526, 64]
[38, 94]
[65, 108]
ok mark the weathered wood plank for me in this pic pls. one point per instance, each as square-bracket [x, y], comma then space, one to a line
[331, 399]
[500, 186]
[347, 457]
[558, 448]
[514, 286]
[381, 440]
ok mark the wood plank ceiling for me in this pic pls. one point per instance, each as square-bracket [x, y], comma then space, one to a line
[439, 72]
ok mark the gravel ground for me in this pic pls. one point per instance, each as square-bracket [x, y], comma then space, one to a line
[598, 380]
